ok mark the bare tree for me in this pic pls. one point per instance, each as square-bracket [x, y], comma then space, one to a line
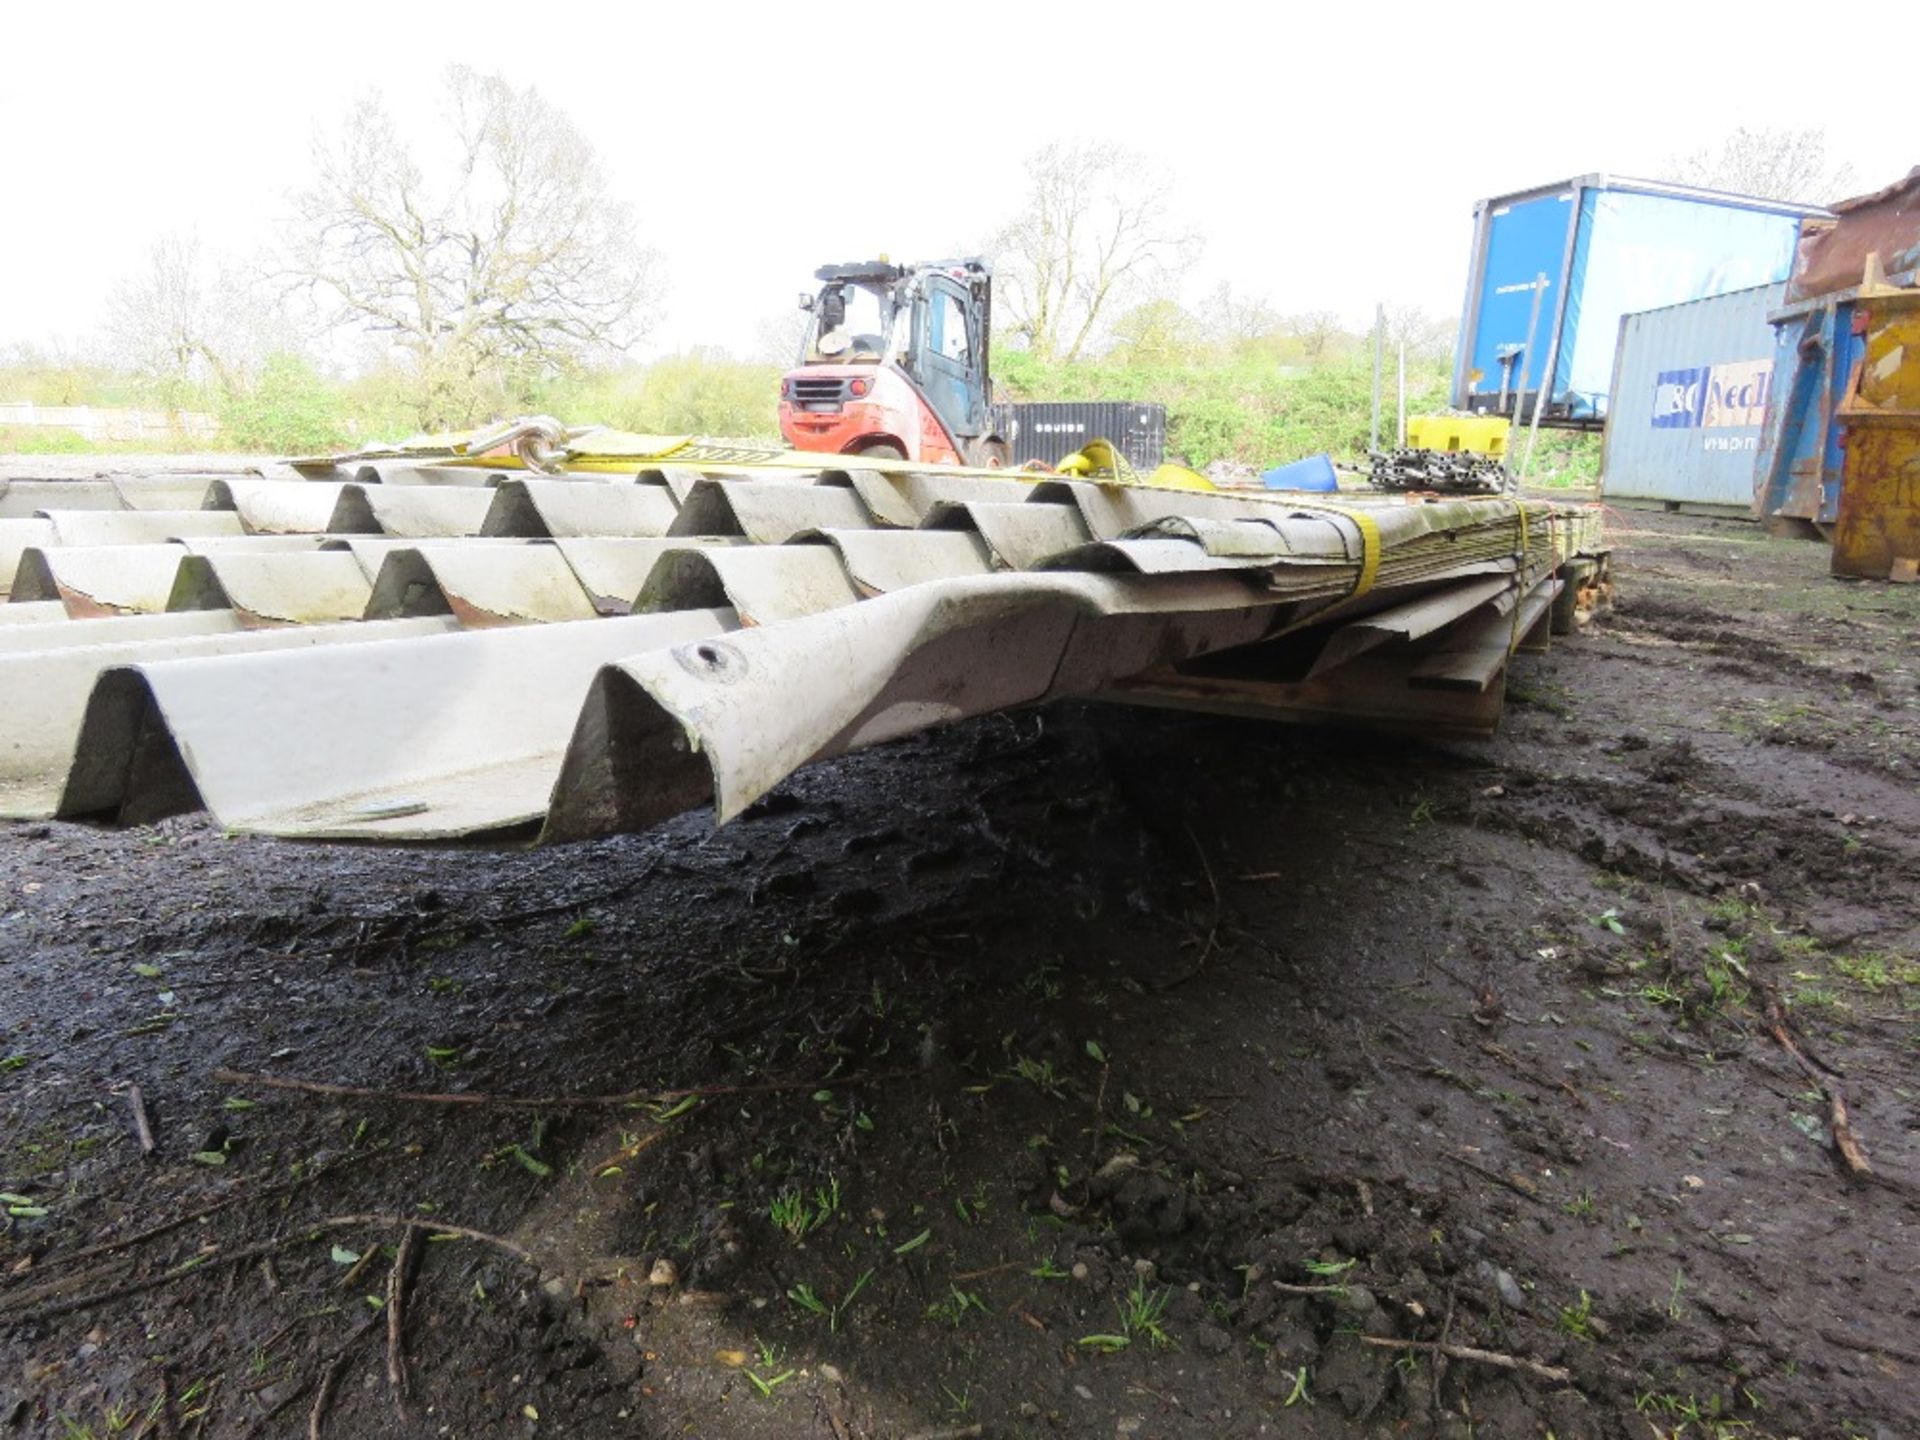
[178, 321]
[1316, 330]
[1775, 164]
[779, 338]
[1234, 319]
[1426, 336]
[507, 259]
[1094, 231]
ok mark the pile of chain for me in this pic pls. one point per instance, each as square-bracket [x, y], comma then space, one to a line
[1448, 472]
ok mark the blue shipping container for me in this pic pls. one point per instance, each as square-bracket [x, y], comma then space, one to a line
[1608, 247]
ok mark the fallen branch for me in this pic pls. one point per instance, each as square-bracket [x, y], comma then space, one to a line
[544, 1102]
[958, 1432]
[1478, 1357]
[397, 1278]
[1844, 1143]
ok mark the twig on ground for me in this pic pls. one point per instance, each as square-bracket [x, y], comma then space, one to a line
[279, 1408]
[142, 1130]
[984, 1271]
[206, 1264]
[286, 1402]
[359, 1267]
[1494, 1175]
[169, 1408]
[166, 1227]
[1439, 1359]
[545, 1102]
[1865, 1346]
[497, 921]
[1478, 1357]
[435, 1227]
[1844, 1143]
[1287, 1288]
[629, 1152]
[958, 1432]
[397, 1283]
[1100, 1110]
[330, 1378]
[1531, 1072]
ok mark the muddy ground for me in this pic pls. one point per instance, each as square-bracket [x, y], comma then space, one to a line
[1085, 1073]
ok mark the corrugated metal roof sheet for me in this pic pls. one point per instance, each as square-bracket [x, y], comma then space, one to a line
[426, 651]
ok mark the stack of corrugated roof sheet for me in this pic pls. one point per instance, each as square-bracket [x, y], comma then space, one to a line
[407, 649]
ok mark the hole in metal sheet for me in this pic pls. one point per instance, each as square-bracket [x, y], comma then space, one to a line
[712, 661]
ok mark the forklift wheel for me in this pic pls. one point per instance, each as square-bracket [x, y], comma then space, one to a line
[884, 451]
[994, 455]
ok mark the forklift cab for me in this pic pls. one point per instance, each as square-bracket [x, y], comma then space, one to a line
[924, 331]
[948, 352]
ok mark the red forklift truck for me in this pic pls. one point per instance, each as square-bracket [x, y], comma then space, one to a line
[894, 366]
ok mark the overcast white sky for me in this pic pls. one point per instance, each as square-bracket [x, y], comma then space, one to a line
[1329, 154]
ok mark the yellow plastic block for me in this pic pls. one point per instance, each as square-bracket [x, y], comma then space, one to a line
[1479, 434]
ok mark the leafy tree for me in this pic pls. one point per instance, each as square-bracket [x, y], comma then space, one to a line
[506, 261]
[288, 410]
[1158, 332]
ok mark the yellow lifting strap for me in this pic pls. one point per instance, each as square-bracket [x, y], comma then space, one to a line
[1519, 576]
[1369, 529]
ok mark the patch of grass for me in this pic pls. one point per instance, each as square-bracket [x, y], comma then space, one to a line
[1707, 1418]
[1142, 1313]
[1809, 996]
[1297, 1394]
[1878, 972]
[807, 1299]
[1577, 1319]
[954, 1307]
[767, 1384]
[793, 1213]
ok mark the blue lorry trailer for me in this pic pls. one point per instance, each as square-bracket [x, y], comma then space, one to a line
[1607, 246]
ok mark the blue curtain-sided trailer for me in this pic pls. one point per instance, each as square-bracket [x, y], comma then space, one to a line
[1608, 247]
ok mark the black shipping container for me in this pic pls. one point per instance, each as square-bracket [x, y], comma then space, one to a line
[1051, 432]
